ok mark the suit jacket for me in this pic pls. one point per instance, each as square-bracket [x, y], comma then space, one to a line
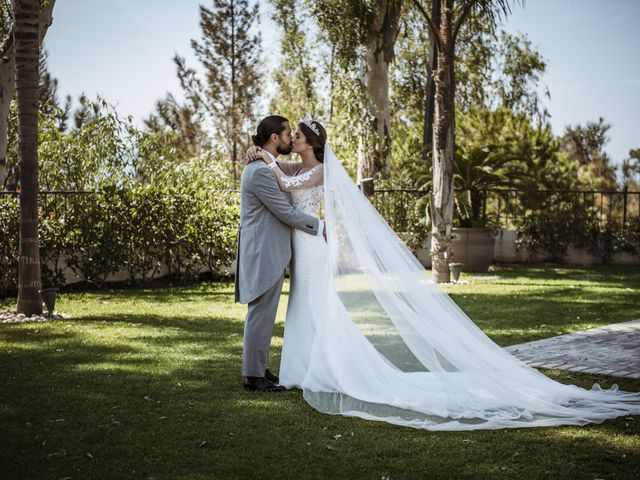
[264, 237]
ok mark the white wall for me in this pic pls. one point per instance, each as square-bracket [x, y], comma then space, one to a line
[506, 251]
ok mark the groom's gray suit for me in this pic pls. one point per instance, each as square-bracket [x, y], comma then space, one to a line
[264, 250]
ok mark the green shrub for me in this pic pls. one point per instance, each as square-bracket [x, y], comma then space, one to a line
[554, 231]
[136, 229]
[9, 234]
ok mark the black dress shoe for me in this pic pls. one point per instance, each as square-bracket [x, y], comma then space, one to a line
[270, 376]
[261, 384]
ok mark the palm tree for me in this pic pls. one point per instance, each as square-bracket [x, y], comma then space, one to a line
[476, 170]
[8, 73]
[453, 14]
[27, 57]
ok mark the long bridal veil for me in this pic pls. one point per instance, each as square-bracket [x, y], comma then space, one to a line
[393, 346]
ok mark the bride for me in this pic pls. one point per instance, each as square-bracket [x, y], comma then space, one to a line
[368, 334]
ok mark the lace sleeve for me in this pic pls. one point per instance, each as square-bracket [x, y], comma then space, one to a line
[308, 179]
[289, 168]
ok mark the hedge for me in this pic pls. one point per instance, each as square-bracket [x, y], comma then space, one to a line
[136, 229]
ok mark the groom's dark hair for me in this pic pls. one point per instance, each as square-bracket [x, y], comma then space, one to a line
[268, 126]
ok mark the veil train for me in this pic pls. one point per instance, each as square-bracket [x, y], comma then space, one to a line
[396, 348]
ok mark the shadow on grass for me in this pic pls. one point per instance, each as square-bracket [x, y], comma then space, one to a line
[135, 396]
[509, 318]
[610, 275]
[172, 294]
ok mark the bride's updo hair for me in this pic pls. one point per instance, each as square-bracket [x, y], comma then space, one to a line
[268, 126]
[316, 141]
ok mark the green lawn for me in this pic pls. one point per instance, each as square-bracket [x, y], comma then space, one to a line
[137, 380]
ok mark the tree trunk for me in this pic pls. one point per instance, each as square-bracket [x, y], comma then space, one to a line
[443, 144]
[234, 161]
[430, 88]
[7, 91]
[8, 85]
[477, 198]
[376, 81]
[234, 107]
[27, 56]
[377, 54]
[362, 155]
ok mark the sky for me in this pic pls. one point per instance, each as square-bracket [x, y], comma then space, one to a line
[122, 50]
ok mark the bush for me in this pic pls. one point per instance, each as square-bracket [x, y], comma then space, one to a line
[150, 205]
[554, 231]
[187, 226]
[9, 234]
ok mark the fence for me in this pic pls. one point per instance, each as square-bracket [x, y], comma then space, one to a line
[508, 208]
[98, 233]
[404, 208]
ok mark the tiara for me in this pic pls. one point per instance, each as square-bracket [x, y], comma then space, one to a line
[310, 123]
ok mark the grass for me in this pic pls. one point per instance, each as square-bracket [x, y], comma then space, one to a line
[539, 301]
[138, 379]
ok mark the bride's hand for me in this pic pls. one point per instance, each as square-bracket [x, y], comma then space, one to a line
[252, 154]
[263, 155]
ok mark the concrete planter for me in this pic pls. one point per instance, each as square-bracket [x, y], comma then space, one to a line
[475, 247]
[508, 251]
[423, 251]
[456, 269]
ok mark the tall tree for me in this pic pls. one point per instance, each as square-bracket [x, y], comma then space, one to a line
[409, 79]
[496, 69]
[430, 86]
[453, 13]
[7, 84]
[365, 32]
[27, 55]
[295, 76]
[184, 121]
[230, 53]
[51, 109]
[49, 103]
[585, 144]
[631, 170]
[8, 71]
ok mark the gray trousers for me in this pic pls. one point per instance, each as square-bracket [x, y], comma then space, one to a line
[258, 328]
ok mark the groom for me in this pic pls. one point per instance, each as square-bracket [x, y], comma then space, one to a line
[264, 250]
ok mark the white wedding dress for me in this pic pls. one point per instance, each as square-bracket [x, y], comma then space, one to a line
[368, 334]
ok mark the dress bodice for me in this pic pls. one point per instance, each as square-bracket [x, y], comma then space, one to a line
[305, 187]
[308, 200]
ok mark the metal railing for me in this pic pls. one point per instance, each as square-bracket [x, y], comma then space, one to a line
[504, 207]
[509, 207]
